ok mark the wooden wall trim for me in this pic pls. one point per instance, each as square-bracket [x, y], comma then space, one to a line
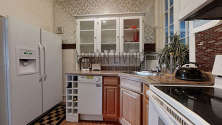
[68, 46]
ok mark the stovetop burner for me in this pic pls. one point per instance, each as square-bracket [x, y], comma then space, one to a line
[205, 101]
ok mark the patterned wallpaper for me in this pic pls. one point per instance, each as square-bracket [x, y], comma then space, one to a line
[65, 10]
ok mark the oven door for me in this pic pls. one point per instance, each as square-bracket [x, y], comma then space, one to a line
[157, 116]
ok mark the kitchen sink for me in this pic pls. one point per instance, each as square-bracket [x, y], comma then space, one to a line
[143, 73]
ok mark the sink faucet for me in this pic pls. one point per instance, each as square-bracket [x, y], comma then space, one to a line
[141, 64]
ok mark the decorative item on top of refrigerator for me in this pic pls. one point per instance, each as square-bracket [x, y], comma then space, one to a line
[26, 61]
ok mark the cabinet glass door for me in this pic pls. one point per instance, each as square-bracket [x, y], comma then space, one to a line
[87, 36]
[131, 35]
[108, 35]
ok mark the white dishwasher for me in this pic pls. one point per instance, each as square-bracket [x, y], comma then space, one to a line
[90, 97]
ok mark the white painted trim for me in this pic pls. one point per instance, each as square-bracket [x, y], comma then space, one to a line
[205, 26]
[78, 37]
[111, 14]
[192, 32]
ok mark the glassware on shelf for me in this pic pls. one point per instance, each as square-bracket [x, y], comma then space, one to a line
[131, 35]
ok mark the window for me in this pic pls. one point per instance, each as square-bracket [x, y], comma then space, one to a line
[169, 21]
[184, 32]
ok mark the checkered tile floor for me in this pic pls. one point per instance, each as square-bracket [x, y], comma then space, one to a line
[54, 117]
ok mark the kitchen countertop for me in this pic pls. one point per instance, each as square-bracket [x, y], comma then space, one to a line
[101, 73]
[170, 79]
[166, 79]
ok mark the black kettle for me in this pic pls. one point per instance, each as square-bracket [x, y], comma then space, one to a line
[190, 72]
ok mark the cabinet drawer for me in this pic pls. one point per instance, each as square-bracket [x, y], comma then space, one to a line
[131, 85]
[109, 80]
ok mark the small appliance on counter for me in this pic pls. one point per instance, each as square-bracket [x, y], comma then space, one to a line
[96, 67]
[190, 72]
[85, 63]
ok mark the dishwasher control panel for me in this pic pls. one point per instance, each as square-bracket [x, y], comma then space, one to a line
[91, 79]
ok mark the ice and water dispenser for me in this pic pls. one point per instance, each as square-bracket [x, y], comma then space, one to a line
[27, 61]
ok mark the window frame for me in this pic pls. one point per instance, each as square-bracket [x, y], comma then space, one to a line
[170, 23]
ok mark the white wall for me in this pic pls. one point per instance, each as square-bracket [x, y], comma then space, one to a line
[69, 65]
[3, 99]
[159, 24]
[68, 22]
[35, 12]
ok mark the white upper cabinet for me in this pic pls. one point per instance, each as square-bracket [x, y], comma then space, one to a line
[111, 34]
[131, 34]
[86, 35]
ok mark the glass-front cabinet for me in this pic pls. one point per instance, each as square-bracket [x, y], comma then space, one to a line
[86, 36]
[110, 35]
[131, 32]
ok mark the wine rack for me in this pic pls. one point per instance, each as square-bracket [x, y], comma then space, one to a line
[72, 114]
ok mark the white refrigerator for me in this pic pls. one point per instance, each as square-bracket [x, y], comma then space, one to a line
[31, 71]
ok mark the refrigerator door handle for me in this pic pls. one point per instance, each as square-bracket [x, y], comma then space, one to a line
[44, 73]
[40, 70]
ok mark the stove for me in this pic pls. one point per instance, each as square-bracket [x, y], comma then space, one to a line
[204, 101]
[187, 105]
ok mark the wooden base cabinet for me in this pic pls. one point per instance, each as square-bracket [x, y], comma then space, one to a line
[111, 98]
[130, 105]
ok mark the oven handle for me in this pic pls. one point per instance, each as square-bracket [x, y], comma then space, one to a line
[159, 110]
